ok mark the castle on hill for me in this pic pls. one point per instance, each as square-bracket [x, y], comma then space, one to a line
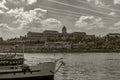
[51, 35]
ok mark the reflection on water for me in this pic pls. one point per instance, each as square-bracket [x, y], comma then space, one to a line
[83, 66]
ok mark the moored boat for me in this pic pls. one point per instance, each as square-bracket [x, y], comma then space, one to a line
[12, 67]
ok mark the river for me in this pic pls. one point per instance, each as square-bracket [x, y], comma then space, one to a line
[82, 66]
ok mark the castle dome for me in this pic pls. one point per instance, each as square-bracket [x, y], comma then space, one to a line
[64, 30]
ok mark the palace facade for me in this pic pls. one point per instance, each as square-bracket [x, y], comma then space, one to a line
[51, 35]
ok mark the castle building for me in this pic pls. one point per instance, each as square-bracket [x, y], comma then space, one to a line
[52, 36]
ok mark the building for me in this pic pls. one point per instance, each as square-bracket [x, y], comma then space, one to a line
[113, 35]
[1, 39]
[50, 35]
[34, 36]
[46, 35]
[78, 34]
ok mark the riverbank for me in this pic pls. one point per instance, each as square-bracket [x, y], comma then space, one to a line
[64, 51]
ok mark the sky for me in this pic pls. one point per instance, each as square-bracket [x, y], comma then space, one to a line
[99, 17]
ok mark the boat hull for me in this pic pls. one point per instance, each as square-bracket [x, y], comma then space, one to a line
[49, 77]
[43, 71]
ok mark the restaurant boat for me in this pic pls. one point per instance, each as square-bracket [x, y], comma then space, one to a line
[12, 67]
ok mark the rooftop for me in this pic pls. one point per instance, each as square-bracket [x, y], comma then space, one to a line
[113, 34]
[51, 31]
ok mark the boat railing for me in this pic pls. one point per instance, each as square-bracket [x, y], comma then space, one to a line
[59, 60]
[11, 56]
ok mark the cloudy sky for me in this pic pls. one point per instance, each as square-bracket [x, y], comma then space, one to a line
[99, 17]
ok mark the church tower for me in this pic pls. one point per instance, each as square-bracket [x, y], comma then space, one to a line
[64, 30]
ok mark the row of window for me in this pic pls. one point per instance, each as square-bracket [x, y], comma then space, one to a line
[6, 63]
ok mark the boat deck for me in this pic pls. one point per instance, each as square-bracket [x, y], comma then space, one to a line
[50, 77]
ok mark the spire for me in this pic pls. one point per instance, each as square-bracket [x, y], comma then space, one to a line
[64, 30]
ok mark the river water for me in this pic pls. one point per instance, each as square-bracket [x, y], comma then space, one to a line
[82, 66]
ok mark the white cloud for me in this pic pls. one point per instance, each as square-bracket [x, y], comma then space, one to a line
[8, 32]
[31, 1]
[26, 17]
[112, 13]
[97, 2]
[101, 3]
[5, 26]
[114, 28]
[2, 4]
[116, 1]
[1, 11]
[117, 24]
[89, 22]
[51, 23]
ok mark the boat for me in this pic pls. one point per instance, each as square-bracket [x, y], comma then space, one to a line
[12, 67]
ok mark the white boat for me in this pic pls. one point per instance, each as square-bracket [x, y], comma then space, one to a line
[12, 67]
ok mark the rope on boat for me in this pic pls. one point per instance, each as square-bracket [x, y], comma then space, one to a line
[62, 64]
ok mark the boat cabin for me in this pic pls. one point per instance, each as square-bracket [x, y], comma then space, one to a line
[11, 62]
[8, 60]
